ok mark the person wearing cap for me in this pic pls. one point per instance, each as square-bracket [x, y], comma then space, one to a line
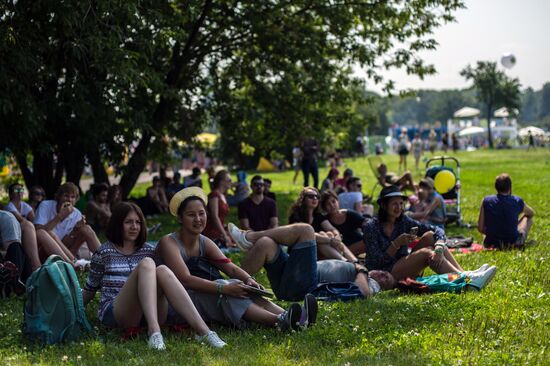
[388, 236]
[329, 182]
[498, 216]
[196, 261]
[433, 211]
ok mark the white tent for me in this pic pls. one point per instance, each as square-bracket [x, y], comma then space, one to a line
[466, 112]
[474, 130]
[504, 113]
[535, 131]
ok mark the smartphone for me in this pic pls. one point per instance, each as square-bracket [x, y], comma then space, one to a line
[414, 231]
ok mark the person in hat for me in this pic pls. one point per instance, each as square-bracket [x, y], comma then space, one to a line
[196, 261]
[388, 237]
[133, 287]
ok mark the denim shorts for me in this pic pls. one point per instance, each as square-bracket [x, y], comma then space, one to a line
[108, 319]
[334, 270]
[293, 275]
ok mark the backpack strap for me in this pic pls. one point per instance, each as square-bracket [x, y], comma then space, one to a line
[54, 272]
[83, 319]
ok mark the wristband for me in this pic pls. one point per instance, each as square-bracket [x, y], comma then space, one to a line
[394, 245]
[220, 288]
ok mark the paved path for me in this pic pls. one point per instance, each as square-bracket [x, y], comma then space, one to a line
[144, 177]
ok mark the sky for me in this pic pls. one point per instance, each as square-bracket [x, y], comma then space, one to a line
[484, 31]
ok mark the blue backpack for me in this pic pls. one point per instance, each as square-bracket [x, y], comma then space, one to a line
[337, 291]
[54, 309]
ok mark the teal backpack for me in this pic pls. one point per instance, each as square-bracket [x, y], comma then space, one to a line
[54, 309]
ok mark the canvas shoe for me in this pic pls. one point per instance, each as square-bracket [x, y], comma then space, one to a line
[480, 279]
[290, 319]
[309, 311]
[239, 236]
[480, 269]
[212, 339]
[156, 341]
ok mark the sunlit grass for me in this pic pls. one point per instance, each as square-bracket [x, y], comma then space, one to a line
[507, 323]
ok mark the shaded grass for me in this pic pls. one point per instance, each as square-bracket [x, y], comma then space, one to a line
[507, 323]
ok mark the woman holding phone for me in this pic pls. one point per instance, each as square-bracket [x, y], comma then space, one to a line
[388, 237]
[196, 261]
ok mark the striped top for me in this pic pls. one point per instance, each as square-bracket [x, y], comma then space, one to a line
[110, 269]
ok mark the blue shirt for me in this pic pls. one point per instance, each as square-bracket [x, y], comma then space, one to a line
[501, 214]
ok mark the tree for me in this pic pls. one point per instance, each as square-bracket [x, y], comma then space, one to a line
[529, 105]
[108, 81]
[544, 107]
[494, 88]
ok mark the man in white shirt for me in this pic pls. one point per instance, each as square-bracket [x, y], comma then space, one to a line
[353, 198]
[60, 227]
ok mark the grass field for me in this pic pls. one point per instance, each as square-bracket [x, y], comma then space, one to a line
[506, 324]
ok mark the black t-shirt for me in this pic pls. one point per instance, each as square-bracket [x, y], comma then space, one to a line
[318, 218]
[351, 227]
[259, 216]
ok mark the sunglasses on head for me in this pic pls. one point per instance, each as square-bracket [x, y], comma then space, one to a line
[312, 196]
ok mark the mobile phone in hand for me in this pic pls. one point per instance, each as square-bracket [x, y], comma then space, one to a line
[414, 231]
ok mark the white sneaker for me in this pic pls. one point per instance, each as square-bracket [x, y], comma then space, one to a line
[480, 279]
[480, 269]
[156, 341]
[239, 236]
[212, 339]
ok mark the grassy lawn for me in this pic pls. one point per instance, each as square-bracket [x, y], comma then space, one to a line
[507, 323]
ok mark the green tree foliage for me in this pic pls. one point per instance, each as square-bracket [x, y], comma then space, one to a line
[544, 106]
[108, 81]
[494, 88]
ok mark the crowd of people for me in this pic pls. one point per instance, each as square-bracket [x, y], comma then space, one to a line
[180, 278]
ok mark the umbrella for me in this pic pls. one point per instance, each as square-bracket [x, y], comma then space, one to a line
[466, 112]
[504, 113]
[474, 130]
[535, 131]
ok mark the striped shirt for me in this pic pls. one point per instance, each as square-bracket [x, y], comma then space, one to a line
[110, 269]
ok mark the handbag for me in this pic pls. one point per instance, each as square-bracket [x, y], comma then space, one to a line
[201, 267]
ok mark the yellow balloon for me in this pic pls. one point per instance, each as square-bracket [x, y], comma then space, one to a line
[5, 171]
[444, 181]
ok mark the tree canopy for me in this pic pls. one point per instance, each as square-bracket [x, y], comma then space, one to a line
[106, 82]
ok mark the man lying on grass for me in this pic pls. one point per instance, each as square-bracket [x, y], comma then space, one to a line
[296, 273]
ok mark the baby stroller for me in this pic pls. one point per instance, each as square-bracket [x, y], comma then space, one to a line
[447, 185]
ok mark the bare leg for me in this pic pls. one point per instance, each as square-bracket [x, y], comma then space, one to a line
[451, 259]
[85, 233]
[258, 314]
[50, 246]
[30, 246]
[413, 264]
[427, 241]
[263, 251]
[269, 306]
[285, 235]
[357, 248]
[138, 297]
[178, 297]
[328, 252]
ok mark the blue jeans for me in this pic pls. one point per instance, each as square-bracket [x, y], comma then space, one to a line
[293, 275]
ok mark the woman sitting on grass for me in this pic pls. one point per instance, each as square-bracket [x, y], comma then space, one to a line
[195, 260]
[132, 287]
[388, 237]
[347, 222]
[306, 210]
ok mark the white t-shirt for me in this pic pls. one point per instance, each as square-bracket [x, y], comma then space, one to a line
[25, 208]
[347, 200]
[46, 212]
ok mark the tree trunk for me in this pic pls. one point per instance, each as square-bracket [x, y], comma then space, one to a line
[100, 174]
[490, 135]
[43, 172]
[24, 166]
[74, 166]
[135, 166]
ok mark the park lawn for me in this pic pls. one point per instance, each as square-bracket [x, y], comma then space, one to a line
[507, 323]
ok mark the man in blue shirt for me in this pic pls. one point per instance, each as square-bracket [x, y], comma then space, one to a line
[498, 216]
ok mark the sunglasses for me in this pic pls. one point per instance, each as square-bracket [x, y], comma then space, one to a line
[312, 196]
[359, 185]
[258, 184]
[19, 190]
